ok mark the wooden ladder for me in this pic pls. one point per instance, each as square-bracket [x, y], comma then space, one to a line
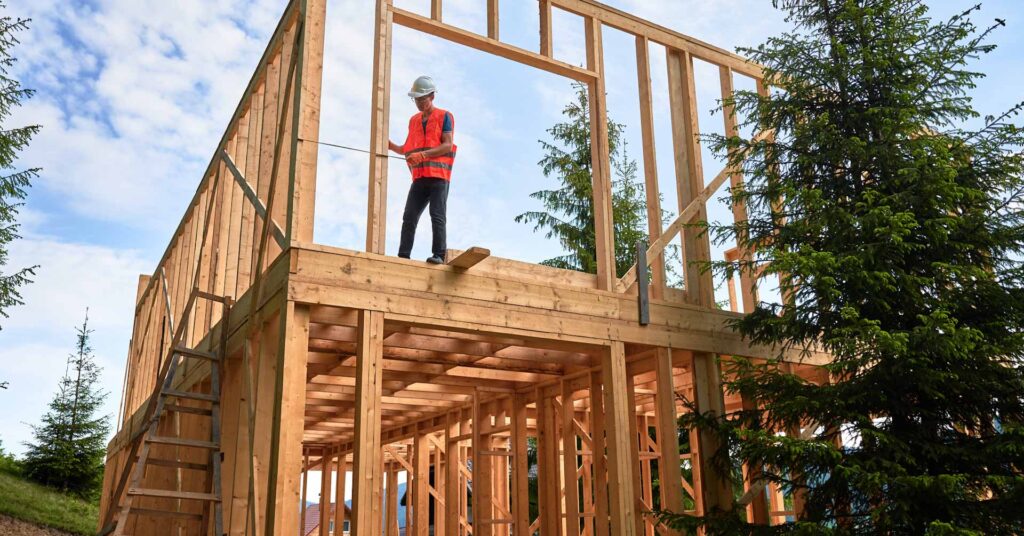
[168, 401]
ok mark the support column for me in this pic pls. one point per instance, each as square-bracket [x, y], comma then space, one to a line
[669, 472]
[452, 486]
[421, 483]
[325, 492]
[366, 477]
[391, 508]
[380, 110]
[520, 467]
[288, 420]
[618, 412]
[302, 175]
[339, 511]
[570, 467]
[600, 473]
[715, 490]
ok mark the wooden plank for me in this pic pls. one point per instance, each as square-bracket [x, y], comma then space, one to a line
[326, 477]
[391, 504]
[436, 9]
[748, 290]
[420, 485]
[599, 473]
[570, 466]
[651, 190]
[286, 432]
[547, 467]
[520, 466]
[171, 494]
[469, 258]
[618, 413]
[492, 19]
[545, 28]
[380, 111]
[339, 511]
[483, 489]
[254, 200]
[637, 26]
[366, 475]
[492, 46]
[306, 123]
[453, 486]
[604, 234]
[715, 488]
[669, 473]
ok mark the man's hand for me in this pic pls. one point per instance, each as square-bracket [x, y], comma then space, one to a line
[415, 159]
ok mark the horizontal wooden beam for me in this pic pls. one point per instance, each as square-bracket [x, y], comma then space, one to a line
[493, 46]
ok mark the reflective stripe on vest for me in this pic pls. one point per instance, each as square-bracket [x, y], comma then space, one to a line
[422, 139]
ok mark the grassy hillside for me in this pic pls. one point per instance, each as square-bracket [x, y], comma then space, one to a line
[41, 505]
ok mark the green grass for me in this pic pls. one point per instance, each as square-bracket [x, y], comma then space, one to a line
[44, 506]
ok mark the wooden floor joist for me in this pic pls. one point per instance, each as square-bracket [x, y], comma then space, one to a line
[383, 370]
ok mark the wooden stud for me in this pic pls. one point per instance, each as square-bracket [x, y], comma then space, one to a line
[326, 479]
[600, 461]
[366, 477]
[748, 284]
[306, 122]
[492, 19]
[420, 484]
[380, 111]
[453, 489]
[570, 466]
[600, 159]
[435, 10]
[653, 196]
[618, 413]
[339, 510]
[669, 473]
[391, 506]
[715, 488]
[520, 466]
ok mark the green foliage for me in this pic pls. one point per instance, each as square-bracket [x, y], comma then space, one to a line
[13, 182]
[899, 235]
[8, 463]
[569, 210]
[70, 445]
[44, 506]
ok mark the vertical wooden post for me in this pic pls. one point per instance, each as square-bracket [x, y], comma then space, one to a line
[366, 477]
[306, 125]
[339, 511]
[716, 488]
[391, 507]
[654, 223]
[618, 412]
[440, 458]
[483, 510]
[668, 438]
[421, 482]
[600, 473]
[569, 464]
[492, 19]
[289, 410]
[545, 28]
[435, 10]
[520, 467]
[325, 492]
[547, 467]
[452, 487]
[380, 110]
[748, 289]
[600, 159]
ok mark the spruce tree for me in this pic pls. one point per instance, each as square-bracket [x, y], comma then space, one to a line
[13, 181]
[69, 445]
[568, 212]
[896, 230]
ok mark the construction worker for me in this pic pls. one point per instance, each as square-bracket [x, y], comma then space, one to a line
[430, 153]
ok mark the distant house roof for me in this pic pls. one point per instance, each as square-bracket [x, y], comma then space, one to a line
[312, 521]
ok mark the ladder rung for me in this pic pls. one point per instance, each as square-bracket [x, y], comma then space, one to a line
[193, 396]
[178, 464]
[164, 513]
[190, 352]
[184, 442]
[171, 494]
[187, 409]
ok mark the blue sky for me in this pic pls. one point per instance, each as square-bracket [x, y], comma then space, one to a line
[133, 95]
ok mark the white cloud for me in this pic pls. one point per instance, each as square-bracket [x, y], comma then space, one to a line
[36, 340]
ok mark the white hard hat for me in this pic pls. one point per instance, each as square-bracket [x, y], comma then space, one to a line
[422, 87]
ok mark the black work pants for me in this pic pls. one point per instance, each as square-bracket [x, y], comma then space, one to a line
[423, 192]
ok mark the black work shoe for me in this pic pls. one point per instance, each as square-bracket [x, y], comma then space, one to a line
[435, 260]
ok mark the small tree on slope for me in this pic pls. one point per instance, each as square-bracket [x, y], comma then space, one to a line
[899, 236]
[69, 444]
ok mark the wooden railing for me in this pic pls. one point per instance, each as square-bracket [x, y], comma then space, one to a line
[255, 197]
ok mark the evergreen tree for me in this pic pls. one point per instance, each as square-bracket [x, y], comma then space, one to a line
[898, 234]
[70, 444]
[569, 210]
[13, 182]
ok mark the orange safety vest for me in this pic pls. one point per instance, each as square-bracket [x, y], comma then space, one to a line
[421, 139]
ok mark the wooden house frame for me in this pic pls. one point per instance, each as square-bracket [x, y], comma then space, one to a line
[340, 361]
